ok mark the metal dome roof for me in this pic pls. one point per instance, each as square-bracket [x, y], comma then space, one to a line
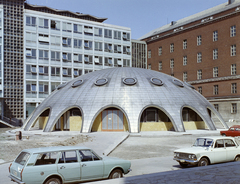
[131, 90]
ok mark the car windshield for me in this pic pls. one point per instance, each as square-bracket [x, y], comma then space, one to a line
[22, 158]
[203, 142]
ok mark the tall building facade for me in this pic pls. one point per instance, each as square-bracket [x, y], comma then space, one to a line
[139, 54]
[45, 47]
[202, 49]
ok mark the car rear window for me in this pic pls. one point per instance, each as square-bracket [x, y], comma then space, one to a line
[46, 158]
[22, 158]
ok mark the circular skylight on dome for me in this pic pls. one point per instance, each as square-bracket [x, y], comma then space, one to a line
[189, 85]
[61, 85]
[129, 81]
[177, 83]
[156, 81]
[77, 83]
[101, 82]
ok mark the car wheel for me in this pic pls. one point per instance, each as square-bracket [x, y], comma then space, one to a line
[116, 173]
[203, 162]
[53, 181]
[237, 158]
[183, 164]
[223, 134]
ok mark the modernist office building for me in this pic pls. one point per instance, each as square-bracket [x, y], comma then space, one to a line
[44, 47]
[203, 49]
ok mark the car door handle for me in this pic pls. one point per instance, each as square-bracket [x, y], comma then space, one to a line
[62, 167]
[84, 165]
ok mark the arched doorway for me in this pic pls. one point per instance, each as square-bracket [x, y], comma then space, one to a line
[110, 120]
[71, 120]
[154, 119]
[191, 120]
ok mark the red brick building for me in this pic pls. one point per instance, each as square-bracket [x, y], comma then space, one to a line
[203, 49]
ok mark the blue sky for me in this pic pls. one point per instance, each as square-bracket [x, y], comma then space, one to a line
[142, 16]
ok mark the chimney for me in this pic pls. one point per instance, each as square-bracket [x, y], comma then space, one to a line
[230, 1]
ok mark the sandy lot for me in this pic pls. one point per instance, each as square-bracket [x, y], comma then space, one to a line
[9, 148]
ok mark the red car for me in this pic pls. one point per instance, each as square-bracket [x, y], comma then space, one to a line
[233, 131]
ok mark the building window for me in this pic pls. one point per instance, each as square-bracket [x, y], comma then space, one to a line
[55, 25]
[88, 30]
[184, 60]
[215, 72]
[215, 89]
[66, 57]
[88, 45]
[200, 89]
[172, 47]
[117, 49]
[160, 51]
[77, 43]
[160, 65]
[126, 62]
[215, 54]
[184, 76]
[98, 46]
[199, 40]
[233, 31]
[199, 57]
[149, 54]
[234, 88]
[77, 58]
[66, 42]
[43, 87]
[30, 21]
[184, 44]
[233, 50]
[98, 60]
[233, 69]
[126, 50]
[43, 54]
[67, 72]
[55, 71]
[88, 59]
[199, 74]
[233, 108]
[31, 37]
[172, 63]
[126, 36]
[98, 32]
[55, 40]
[77, 72]
[43, 70]
[43, 23]
[67, 27]
[31, 53]
[149, 66]
[77, 28]
[215, 36]
[107, 33]
[55, 56]
[216, 106]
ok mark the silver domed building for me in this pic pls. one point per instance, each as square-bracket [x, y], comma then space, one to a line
[124, 99]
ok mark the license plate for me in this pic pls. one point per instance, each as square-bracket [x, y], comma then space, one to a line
[182, 160]
[15, 173]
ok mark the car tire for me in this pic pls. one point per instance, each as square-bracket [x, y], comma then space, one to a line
[223, 134]
[237, 158]
[203, 162]
[53, 181]
[183, 164]
[116, 173]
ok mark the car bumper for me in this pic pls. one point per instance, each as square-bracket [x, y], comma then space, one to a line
[193, 162]
[16, 180]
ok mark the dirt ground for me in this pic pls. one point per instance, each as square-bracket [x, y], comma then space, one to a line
[10, 148]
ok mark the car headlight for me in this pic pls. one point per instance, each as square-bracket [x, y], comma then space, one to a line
[192, 157]
[176, 154]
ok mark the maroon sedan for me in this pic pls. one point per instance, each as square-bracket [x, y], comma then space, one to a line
[233, 131]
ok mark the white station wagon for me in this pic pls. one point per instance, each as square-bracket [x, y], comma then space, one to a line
[64, 164]
[208, 150]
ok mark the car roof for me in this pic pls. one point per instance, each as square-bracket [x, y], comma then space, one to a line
[216, 137]
[235, 126]
[54, 148]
